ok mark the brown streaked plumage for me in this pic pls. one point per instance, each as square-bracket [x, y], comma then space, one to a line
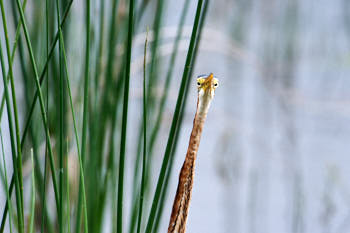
[206, 89]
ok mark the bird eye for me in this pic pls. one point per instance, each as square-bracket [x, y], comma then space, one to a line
[215, 84]
[198, 83]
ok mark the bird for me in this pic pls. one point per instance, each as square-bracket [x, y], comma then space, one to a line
[206, 85]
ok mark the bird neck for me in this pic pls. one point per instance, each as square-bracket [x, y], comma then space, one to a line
[203, 105]
[181, 204]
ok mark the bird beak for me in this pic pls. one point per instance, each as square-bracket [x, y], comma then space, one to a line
[208, 84]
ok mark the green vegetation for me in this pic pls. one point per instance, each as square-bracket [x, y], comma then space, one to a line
[75, 141]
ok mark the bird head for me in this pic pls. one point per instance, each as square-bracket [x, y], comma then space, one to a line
[206, 85]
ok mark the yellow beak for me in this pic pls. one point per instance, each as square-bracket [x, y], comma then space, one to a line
[208, 84]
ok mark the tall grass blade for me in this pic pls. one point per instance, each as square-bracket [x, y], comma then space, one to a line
[85, 107]
[144, 138]
[81, 167]
[61, 117]
[67, 191]
[86, 81]
[32, 206]
[99, 54]
[6, 183]
[124, 119]
[47, 110]
[154, 61]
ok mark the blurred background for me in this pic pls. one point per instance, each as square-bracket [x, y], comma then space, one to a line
[274, 151]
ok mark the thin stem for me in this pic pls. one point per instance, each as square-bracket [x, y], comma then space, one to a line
[85, 110]
[86, 82]
[100, 49]
[81, 167]
[61, 134]
[154, 62]
[6, 184]
[144, 138]
[32, 207]
[47, 110]
[124, 120]
[67, 191]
